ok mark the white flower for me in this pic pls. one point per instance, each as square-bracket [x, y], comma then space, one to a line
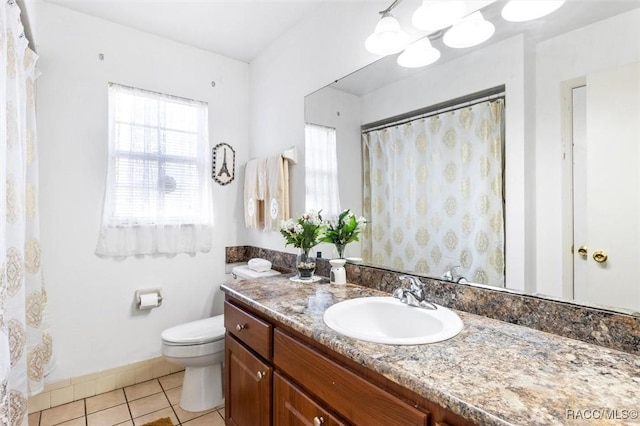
[332, 222]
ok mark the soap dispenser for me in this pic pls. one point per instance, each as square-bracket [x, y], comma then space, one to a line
[338, 274]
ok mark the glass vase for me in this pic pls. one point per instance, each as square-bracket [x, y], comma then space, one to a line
[339, 251]
[305, 264]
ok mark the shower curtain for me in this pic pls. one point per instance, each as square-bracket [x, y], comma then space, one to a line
[25, 340]
[434, 194]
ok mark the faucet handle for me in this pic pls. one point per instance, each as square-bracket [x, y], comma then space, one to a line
[451, 275]
[411, 299]
[414, 283]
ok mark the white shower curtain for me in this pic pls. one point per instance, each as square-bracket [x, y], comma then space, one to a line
[433, 194]
[25, 340]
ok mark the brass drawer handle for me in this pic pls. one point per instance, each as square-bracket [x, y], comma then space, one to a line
[318, 421]
[261, 375]
[240, 327]
[600, 256]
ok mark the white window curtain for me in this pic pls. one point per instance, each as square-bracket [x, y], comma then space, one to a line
[321, 170]
[158, 192]
[26, 348]
[434, 194]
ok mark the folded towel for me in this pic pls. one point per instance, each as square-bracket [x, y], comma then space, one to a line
[262, 178]
[254, 193]
[277, 192]
[259, 265]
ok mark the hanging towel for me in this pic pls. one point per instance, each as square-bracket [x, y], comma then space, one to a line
[277, 192]
[254, 193]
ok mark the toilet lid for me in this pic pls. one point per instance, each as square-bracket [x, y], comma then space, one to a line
[195, 332]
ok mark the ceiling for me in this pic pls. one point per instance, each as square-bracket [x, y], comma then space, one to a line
[241, 29]
[238, 29]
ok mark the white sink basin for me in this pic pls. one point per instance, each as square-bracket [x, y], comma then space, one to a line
[387, 320]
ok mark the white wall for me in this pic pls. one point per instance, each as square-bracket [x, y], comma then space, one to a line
[90, 299]
[600, 46]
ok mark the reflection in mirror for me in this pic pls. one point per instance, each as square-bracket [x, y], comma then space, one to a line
[540, 63]
[433, 192]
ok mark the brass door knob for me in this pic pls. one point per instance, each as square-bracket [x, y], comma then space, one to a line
[600, 256]
[582, 251]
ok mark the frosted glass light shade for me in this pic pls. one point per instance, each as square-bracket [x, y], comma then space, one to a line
[419, 54]
[387, 38]
[470, 31]
[438, 14]
[528, 10]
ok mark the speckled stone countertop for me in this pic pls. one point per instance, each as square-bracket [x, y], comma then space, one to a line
[492, 373]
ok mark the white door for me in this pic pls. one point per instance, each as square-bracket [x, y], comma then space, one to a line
[607, 188]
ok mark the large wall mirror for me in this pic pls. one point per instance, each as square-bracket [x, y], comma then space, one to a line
[570, 83]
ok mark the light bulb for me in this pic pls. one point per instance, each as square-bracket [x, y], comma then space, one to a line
[419, 54]
[387, 38]
[439, 14]
[470, 31]
[527, 10]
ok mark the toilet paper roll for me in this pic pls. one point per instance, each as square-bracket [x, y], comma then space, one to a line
[148, 301]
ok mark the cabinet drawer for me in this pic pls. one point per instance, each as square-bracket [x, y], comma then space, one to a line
[356, 399]
[257, 334]
[292, 407]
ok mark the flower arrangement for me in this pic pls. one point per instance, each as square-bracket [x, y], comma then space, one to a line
[342, 230]
[305, 232]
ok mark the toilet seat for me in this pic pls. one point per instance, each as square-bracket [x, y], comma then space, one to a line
[199, 332]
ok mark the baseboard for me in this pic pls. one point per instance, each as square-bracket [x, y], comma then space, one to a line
[65, 391]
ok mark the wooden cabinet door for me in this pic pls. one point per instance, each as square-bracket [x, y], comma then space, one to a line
[292, 407]
[248, 384]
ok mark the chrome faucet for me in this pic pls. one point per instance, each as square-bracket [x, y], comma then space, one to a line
[453, 276]
[414, 295]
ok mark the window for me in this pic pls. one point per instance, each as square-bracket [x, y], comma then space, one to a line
[321, 170]
[158, 196]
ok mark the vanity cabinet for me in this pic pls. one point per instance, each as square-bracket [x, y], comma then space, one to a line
[248, 348]
[274, 376]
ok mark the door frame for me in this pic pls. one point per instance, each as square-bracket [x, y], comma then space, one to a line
[566, 104]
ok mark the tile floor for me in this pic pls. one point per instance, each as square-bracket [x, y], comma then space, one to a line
[132, 406]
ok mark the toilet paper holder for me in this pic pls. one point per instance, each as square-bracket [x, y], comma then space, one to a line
[143, 292]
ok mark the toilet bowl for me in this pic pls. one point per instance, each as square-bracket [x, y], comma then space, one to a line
[199, 347]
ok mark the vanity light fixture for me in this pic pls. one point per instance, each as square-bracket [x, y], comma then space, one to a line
[527, 10]
[388, 37]
[438, 14]
[470, 31]
[419, 54]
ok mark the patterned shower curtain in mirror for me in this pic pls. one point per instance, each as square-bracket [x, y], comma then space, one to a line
[434, 194]
[25, 340]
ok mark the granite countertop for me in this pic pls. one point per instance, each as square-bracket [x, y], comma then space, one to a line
[492, 373]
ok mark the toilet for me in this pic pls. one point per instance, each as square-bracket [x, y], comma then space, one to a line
[199, 347]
